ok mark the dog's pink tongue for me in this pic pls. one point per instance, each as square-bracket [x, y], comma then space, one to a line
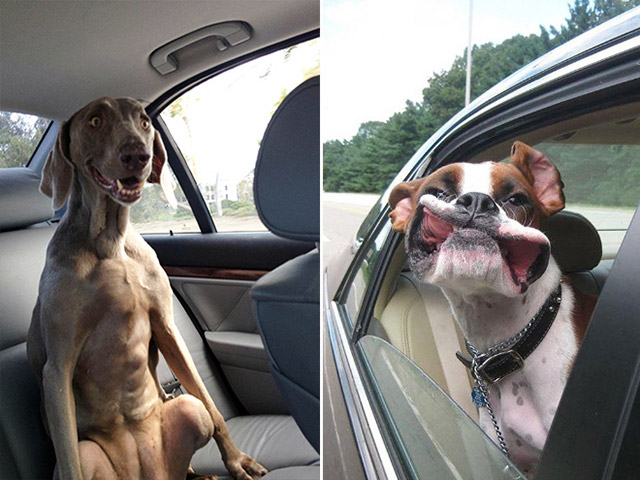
[436, 229]
[521, 256]
[526, 248]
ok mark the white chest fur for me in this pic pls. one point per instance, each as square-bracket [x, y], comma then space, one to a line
[525, 402]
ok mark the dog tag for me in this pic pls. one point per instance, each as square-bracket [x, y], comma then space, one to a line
[478, 398]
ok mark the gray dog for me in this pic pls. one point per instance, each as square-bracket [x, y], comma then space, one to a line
[105, 308]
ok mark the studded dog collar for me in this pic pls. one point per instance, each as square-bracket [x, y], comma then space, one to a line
[508, 356]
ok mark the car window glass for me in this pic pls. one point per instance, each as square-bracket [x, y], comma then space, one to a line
[219, 125]
[20, 134]
[362, 273]
[601, 182]
[435, 437]
[154, 213]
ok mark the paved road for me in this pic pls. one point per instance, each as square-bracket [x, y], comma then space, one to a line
[342, 215]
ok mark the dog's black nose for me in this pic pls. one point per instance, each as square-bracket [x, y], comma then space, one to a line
[134, 155]
[477, 204]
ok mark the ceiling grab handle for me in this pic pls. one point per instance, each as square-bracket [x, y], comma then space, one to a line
[228, 35]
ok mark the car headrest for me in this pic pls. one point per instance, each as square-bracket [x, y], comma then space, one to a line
[575, 243]
[286, 185]
[21, 203]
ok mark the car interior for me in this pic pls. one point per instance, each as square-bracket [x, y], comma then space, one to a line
[415, 317]
[267, 395]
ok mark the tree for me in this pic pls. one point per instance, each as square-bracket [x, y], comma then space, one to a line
[583, 17]
[19, 137]
[370, 160]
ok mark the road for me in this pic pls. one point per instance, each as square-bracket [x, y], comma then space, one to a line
[342, 215]
[344, 212]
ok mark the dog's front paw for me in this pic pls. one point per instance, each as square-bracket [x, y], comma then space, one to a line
[244, 467]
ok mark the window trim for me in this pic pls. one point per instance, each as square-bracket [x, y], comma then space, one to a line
[174, 156]
[42, 141]
[36, 151]
[391, 243]
[610, 83]
[185, 178]
[375, 455]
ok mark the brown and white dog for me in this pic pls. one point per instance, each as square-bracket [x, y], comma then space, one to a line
[473, 230]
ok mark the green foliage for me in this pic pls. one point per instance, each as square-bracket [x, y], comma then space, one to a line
[370, 160]
[153, 206]
[19, 137]
[239, 208]
[591, 181]
[583, 16]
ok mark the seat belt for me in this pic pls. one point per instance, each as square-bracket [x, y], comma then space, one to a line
[448, 341]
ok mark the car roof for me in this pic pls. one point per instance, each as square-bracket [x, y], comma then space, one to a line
[59, 55]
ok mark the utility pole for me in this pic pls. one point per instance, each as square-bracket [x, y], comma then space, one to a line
[467, 92]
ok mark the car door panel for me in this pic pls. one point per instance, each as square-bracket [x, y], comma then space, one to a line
[245, 363]
[212, 275]
[224, 311]
[218, 304]
[261, 251]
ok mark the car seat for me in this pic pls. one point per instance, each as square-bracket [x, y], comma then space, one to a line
[287, 300]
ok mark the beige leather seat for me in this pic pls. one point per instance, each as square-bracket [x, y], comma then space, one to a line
[417, 320]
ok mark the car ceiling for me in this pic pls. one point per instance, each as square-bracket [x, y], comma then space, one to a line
[59, 55]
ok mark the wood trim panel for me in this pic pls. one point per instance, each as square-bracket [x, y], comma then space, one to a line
[220, 273]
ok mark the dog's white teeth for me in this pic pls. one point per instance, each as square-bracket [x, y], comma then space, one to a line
[119, 184]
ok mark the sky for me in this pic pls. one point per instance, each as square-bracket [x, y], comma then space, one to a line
[377, 54]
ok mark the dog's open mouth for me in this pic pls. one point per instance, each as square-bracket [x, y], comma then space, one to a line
[126, 190]
[525, 254]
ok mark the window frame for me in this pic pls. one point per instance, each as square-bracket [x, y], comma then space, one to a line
[600, 82]
[43, 147]
[41, 144]
[176, 161]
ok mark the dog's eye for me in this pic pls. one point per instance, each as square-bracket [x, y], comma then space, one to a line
[517, 199]
[436, 192]
[95, 122]
[145, 124]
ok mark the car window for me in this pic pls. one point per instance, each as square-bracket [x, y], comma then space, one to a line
[433, 435]
[20, 134]
[407, 344]
[155, 213]
[362, 273]
[408, 347]
[219, 124]
[601, 182]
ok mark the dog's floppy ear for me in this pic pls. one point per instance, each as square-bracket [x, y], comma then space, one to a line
[159, 174]
[159, 159]
[58, 172]
[542, 174]
[401, 201]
